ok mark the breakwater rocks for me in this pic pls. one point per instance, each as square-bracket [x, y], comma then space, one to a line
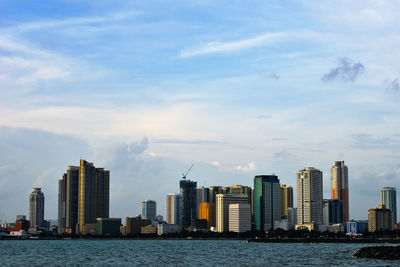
[381, 252]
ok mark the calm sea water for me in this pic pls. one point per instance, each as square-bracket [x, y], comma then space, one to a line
[179, 253]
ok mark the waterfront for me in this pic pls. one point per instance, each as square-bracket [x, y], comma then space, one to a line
[180, 253]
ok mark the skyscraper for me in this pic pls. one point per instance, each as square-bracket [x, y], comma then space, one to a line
[267, 201]
[149, 209]
[222, 209]
[202, 196]
[188, 203]
[286, 199]
[309, 196]
[340, 187]
[62, 194]
[36, 208]
[71, 199]
[172, 208]
[83, 197]
[388, 200]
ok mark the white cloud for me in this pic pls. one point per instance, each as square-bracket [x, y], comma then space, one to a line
[215, 163]
[73, 21]
[251, 166]
[214, 47]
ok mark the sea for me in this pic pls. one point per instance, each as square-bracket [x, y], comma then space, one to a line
[180, 253]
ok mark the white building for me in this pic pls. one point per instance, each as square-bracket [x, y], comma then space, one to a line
[222, 210]
[239, 217]
[172, 203]
[309, 196]
[36, 208]
[163, 228]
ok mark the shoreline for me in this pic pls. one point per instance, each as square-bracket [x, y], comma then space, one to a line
[249, 240]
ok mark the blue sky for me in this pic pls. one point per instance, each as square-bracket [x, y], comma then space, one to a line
[146, 88]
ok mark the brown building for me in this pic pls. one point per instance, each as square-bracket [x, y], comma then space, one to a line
[207, 212]
[380, 219]
[134, 224]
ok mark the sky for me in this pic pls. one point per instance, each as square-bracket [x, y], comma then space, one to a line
[145, 89]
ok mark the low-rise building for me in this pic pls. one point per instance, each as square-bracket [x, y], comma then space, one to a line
[134, 224]
[357, 227]
[149, 229]
[164, 228]
[108, 226]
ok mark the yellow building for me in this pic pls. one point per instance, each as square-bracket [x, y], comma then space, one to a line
[380, 219]
[207, 212]
[286, 199]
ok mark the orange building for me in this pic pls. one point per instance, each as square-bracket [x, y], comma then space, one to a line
[340, 187]
[207, 212]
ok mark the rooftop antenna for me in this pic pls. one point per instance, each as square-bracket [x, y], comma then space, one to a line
[184, 175]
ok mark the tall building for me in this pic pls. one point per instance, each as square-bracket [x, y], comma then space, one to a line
[286, 199]
[172, 208]
[149, 209]
[380, 219]
[202, 195]
[267, 201]
[83, 197]
[388, 200]
[188, 203]
[207, 212]
[222, 211]
[239, 217]
[93, 194]
[309, 196]
[36, 208]
[340, 186]
[213, 191]
[62, 194]
[333, 211]
[71, 199]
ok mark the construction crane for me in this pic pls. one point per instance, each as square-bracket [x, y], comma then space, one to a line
[184, 175]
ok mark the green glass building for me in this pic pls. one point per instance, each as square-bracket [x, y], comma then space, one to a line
[267, 201]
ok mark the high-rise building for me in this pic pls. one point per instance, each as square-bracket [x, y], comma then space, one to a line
[188, 203]
[239, 217]
[213, 191]
[340, 186]
[207, 212]
[36, 208]
[388, 200]
[93, 194]
[309, 196]
[149, 209]
[202, 195]
[267, 201]
[380, 219]
[333, 211]
[71, 198]
[222, 210]
[83, 197]
[286, 199]
[62, 194]
[172, 208]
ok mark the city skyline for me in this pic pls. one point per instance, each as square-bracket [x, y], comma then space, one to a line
[240, 91]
